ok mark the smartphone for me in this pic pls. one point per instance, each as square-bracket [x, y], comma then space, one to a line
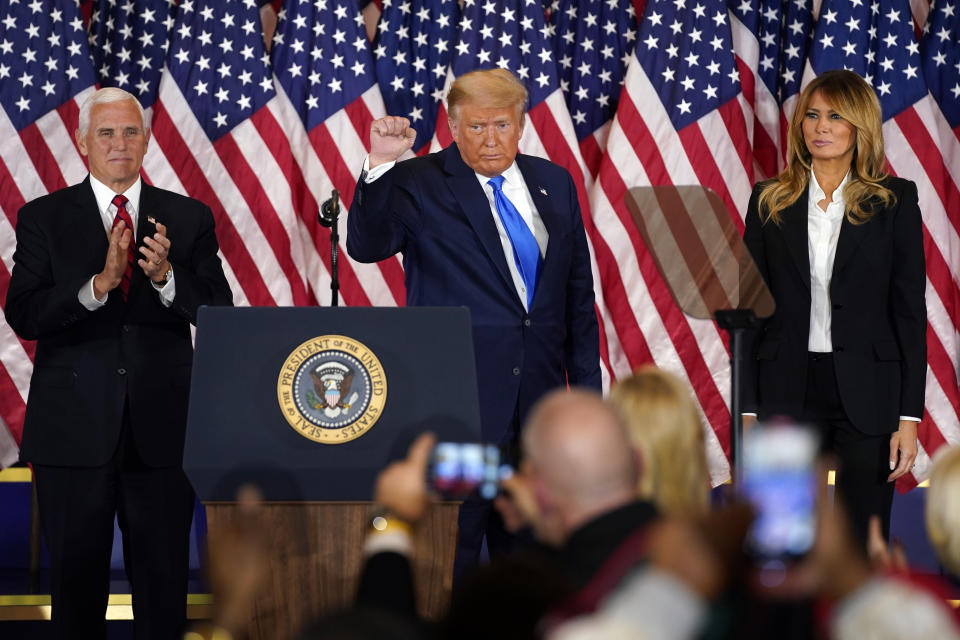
[459, 470]
[149, 225]
[780, 480]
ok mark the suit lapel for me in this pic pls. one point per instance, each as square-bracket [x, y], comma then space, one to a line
[87, 225]
[146, 207]
[540, 192]
[475, 206]
[151, 204]
[794, 228]
[851, 236]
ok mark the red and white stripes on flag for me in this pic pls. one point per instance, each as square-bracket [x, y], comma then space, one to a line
[327, 97]
[644, 150]
[770, 41]
[916, 150]
[660, 136]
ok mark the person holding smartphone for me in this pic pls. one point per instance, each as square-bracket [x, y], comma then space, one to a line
[840, 245]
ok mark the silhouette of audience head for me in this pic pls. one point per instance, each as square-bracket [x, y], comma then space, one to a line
[580, 459]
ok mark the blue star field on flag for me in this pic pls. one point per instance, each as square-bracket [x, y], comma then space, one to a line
[44, 59]
[509, 34]
[217, 58]
[783, 30]
[128, 39]
[322, 57]
[875, 38]
[594, 41]
[413, 49]
[687, 54]
[940, 52]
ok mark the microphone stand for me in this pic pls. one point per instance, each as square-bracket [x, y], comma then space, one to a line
[327, 216]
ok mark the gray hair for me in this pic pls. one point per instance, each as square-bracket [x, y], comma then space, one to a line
[104, 96]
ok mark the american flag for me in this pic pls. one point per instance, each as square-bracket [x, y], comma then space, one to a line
[679, 121]
[594, 41]
[211, 117]
[940, 53]
[770, 40]
[128, 40]
[328, 96]
[264, 138]
[878, 41]
[45, 74]
[413, 50]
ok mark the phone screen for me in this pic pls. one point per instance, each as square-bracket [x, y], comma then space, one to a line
[779, 478]
[458, 469]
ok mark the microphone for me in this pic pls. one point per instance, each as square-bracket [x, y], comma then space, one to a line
[329, 210]
[328, 214]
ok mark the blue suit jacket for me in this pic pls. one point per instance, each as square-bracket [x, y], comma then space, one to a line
[434, 211]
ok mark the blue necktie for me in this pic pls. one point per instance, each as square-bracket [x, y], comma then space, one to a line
[526, 253]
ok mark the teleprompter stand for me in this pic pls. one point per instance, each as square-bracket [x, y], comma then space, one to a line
[709, 271]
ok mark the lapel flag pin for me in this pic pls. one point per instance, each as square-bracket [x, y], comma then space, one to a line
[543, 191]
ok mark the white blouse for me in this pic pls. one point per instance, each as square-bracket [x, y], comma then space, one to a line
[823, 231]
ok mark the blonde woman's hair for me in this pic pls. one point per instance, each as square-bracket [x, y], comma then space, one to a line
[854, 101]
[665, 427]
[943, 507]
[494, 88]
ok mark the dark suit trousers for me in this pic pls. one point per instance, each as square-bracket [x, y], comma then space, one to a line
[478, 519]
[862, 460]
[154, 507]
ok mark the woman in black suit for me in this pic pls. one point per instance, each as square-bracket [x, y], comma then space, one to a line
[840, 245]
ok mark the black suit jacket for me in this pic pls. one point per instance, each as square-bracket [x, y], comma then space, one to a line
[434, 210]
[88, 364]
[878, 325]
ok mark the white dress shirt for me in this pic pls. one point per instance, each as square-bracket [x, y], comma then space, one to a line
[108, 211]
[515, 189]
[823, 231]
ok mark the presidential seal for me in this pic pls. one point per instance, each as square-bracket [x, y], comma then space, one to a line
[332, 389]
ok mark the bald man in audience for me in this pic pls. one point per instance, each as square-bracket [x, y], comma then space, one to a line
[577, 486]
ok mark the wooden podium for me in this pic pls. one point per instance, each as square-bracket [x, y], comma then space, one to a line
[255, 417]
[309, 576]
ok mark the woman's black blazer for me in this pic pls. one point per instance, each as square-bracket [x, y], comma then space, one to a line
[879, 319]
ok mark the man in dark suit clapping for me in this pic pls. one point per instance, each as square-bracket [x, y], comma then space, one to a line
[108, 275]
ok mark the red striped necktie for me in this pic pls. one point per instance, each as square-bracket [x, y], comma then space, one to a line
[124, 216]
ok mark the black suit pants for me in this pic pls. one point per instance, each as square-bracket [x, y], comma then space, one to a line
[863, 461]
[478, 520]
[154, 508]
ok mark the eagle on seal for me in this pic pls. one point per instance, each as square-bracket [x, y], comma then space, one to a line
[332, 381]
